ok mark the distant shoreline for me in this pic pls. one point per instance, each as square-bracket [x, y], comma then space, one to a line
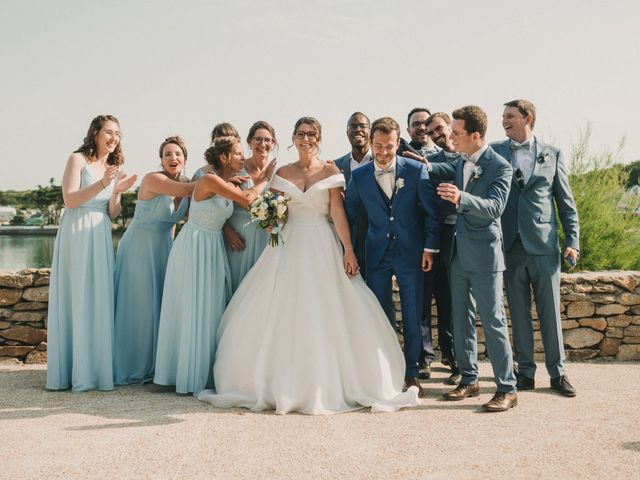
[50, 230]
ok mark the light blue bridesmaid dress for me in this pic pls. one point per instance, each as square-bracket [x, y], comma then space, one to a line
[80, 318]
[255, 240]
[141, 263]
[197, 289]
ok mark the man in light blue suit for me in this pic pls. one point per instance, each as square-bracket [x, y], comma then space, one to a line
[480, 194]
[540, 184]
[403, 232]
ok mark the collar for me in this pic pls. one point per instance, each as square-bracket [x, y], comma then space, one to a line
[475, 156]
[391, 165]
[529, 143]
[366, 159]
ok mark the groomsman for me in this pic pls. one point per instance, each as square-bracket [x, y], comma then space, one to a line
[421, 144]
[436, 280]
[403, 232]
[479, 194]
[539, 186]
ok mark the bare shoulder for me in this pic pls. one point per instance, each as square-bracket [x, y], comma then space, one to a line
[330, 169]
[286, 171]
[77, 159]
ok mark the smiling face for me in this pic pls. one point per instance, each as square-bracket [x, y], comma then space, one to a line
[262, 142]
[358, 130]
[384, 146]
[439, 132]
[417, 130]
[107, 138]
[461, 139]
[516, 125]
[234, 161]
[172, 160]
[305, 138]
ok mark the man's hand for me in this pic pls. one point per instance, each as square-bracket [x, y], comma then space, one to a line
[427, 261]
[449, 192]
[571, 253]
[414, 156]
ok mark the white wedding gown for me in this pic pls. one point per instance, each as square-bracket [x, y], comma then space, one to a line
[299, 335]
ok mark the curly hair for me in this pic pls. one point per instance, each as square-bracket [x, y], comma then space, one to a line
[89, 148]
[222, 146]
[224, 129]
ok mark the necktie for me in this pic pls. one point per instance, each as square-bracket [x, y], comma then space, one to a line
[379, 173]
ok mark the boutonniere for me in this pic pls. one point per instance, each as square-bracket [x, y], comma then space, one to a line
[476, 172]
[543, 156]
[399, 183]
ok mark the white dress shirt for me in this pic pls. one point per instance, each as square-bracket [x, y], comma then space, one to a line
[366, 159]
[387, 180]
[524, 158]
[470, 162]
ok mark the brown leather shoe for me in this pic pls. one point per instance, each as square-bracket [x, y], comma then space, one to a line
[463, 391]
[413, 382]
[501, 402]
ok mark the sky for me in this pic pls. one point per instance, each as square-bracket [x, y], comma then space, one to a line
[165, 67]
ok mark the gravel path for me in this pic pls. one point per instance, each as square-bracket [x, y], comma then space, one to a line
[150, 432]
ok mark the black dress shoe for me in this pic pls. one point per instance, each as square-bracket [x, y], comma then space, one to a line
[525, 383]
[413, 382]
[501, 402]
[562, 386]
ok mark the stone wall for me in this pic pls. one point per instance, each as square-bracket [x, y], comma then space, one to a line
[600, 316]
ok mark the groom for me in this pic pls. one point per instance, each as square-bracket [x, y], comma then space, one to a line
[403, 233]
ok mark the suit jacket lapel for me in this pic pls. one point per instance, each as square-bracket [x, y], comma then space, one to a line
[400, 168]
[481, 163]
[372, 184]
[540, 147]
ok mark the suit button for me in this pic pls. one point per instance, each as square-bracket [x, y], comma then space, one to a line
[388, 235]
[391, 218]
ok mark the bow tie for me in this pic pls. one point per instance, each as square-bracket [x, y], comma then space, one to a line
[379, 173]
[467, 158]
[521, 146]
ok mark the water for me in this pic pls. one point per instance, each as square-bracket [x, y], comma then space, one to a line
[30, 251]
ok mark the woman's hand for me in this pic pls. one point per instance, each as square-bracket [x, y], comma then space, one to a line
[233, 239]
[238, 180]
[110, 173]
[350, 263]
[124, 183]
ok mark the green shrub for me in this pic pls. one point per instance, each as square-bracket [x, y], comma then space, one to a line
[609, 235]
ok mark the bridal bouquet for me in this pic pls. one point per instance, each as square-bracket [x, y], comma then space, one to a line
[270, 210]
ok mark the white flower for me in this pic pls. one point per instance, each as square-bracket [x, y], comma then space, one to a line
[282, 209]
[477, 171]
[399, 183]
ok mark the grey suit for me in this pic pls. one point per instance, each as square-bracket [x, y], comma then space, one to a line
[533, 254]
[476, 264]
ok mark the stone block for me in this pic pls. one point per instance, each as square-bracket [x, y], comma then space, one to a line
[627, 282]
[569, 324]
[562, 307]
[9, 361]
[36, 357]
[15, 350]
[580, 354]
[631, 339]
[29, 335]
[37, 294]
[27, 316]
[603, 298]
[582, 337]
[619, 321]
[605, 278]
[5, 312]
[613, 309]
[635, 319]
[42, 346]
[609, 347]
[568, 278]
[537, 335]
[597, 323]
[614, 332]
[573, 297]
[480, 334]
[4, 325]
[605, 289]
[8, 296]
[15, 280]
[481, 348]
[629, 299]
[580, 309]
[564, 289]
[583, 288]
[538, 347]
[632, 331]
[30, 306]
[627, 352]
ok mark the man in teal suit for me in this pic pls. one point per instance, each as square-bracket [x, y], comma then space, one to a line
[539, 185]
[480, 192]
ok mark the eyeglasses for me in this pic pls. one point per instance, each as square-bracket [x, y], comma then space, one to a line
[112, 133]
[418, 124]
[520, 177]
[358, 126]
[266, 141]
[456, 134]
[309, 135]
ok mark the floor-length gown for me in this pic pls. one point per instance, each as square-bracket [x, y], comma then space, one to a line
[141, 263]
[255, 239]
[80, 318]
[299, 335]
[197, 289]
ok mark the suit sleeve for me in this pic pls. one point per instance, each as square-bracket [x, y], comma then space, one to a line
[489, 208]
[429, 202]
[442, 171]
[566, 205]
[352, 201]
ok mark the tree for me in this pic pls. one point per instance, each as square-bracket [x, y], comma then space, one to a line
[49, 201]
[128, 203]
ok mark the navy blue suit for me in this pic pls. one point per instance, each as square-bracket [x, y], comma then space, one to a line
[399, 230]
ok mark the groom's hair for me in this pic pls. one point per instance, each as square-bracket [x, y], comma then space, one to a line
[475, 120]
[385, 125]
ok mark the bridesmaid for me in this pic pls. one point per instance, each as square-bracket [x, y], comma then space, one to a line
[80, 319]
[224, 129]
[198, 284]
[141, 263]
[244, 240]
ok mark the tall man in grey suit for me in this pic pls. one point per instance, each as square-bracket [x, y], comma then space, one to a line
[539, 185]
[480, 194]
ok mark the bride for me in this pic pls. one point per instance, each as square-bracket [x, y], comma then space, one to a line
[303, 333]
